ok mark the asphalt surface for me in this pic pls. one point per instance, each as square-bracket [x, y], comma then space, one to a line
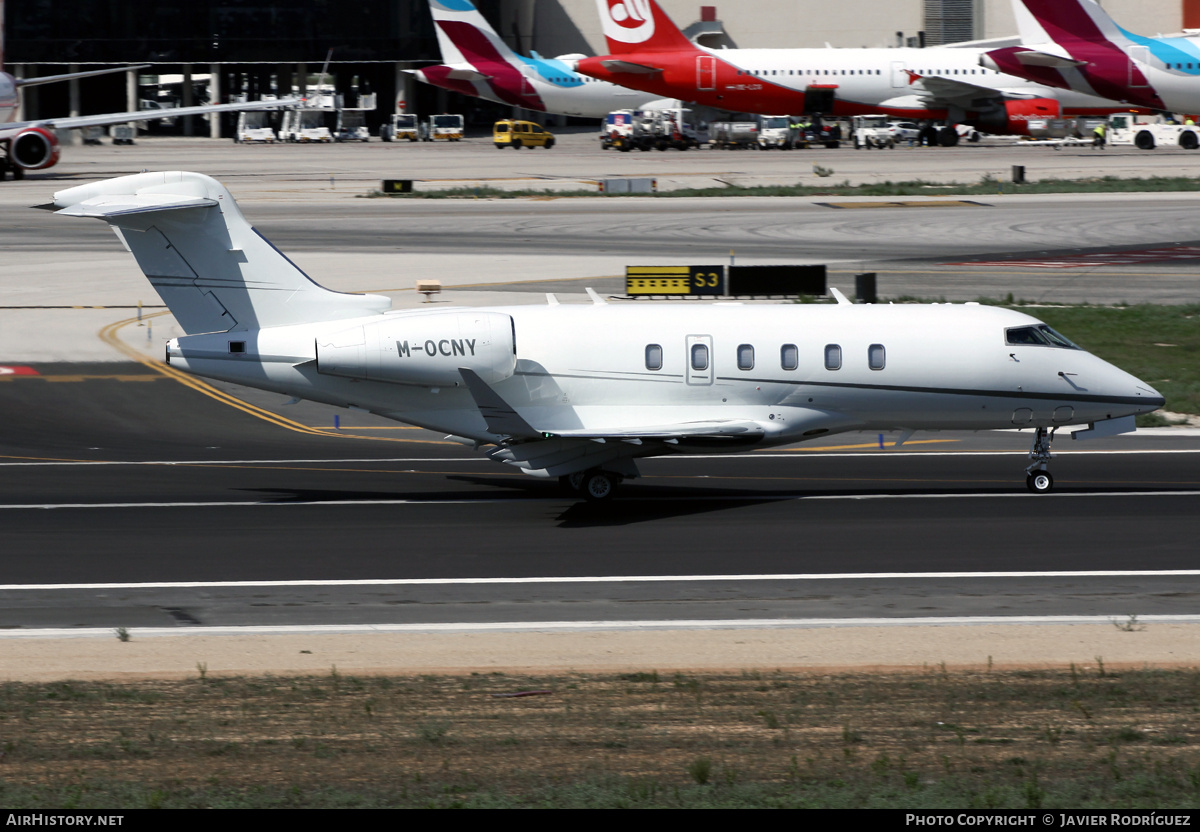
[112, 474]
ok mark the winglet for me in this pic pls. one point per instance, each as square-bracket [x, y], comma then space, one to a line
[499, 415]
[838, 296]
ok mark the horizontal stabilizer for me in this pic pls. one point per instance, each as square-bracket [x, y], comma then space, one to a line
[1037, 57]
[629, 67]
[468, 74]
[115, 206]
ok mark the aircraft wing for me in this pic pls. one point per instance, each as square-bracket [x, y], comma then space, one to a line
[706, 429]
[7, 131]
[937, 89]
[71, 76]
[503, 419]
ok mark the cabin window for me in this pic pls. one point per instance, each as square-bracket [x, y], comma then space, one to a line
[653, 357]
[833, 357]
[876, 357]
[789, 357]
[699, 356]
[745, 356]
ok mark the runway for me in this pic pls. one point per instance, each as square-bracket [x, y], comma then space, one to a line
[250, 523]
[130, 500]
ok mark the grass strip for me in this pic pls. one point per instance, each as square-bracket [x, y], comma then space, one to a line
[1084, 737]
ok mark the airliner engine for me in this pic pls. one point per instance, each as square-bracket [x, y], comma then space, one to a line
[34, 149]
[423, 348]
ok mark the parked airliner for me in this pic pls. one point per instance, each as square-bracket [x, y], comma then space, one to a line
[940, 83]
[1075, 45]
[33, 145]
[476, 62]
[582, 391]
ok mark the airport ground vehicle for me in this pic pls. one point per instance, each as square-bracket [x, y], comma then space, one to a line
[779, 132]
[662, 129]
[400, 126]
[351, 127]
[580, 392]
[726, 135]
[872, 131]
[1149, 132]
[445, 127]
[254, 128]
[308, 125]
[518, 134]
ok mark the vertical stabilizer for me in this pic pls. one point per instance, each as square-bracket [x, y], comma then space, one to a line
[640, 26]
[213, 269]
[1066, 21]
[461, 30]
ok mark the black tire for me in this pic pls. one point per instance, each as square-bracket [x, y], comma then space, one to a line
[1188, 141]
[572, 483]
[549, 144]
[1040, 482]
[599, 486]
[499, 146]
[947, 137]
[1144, 141]
[516, 144]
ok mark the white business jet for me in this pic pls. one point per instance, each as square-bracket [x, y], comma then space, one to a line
[582, 391]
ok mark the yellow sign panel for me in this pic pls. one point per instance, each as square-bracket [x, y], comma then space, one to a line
[674, 280]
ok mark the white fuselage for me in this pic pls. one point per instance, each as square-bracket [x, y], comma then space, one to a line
[588, 367]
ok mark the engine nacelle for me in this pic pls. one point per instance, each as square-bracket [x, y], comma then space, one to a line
[1017, 113]
[34, 149]
[422, 348]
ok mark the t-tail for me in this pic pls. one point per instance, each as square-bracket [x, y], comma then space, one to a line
[640, 26]
[214, 271]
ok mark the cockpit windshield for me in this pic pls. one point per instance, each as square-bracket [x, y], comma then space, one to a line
[1037, 336]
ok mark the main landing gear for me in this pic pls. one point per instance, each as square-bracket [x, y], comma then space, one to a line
[595, 485]
[1037, 478]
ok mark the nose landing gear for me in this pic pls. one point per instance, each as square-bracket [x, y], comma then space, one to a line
[1037, 478]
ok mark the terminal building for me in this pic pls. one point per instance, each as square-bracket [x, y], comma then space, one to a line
[233, 49]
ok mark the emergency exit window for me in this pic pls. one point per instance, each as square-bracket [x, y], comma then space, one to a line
[699, 356]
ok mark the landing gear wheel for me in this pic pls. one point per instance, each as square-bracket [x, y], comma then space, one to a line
[599, 486]
[1037, 478]
[1040, 482]
[572, 483]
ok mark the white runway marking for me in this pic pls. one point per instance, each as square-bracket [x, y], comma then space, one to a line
[616, 579]
[795, 453]
[765, 497]
[576, 626]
